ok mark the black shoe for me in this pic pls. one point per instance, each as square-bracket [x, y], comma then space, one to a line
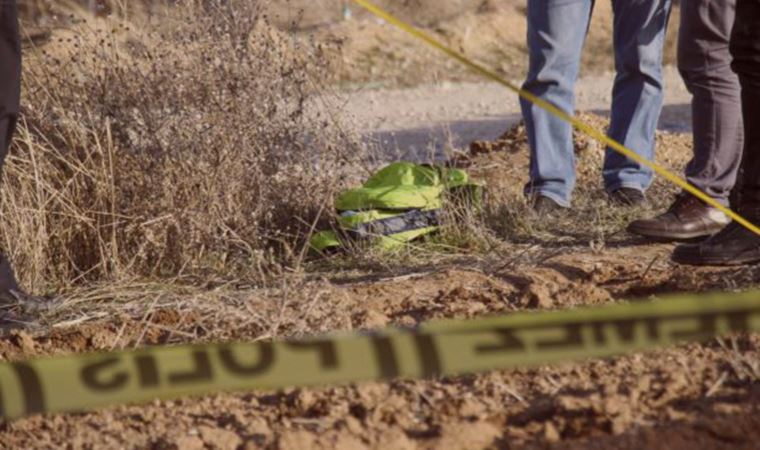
[687, 218]
[7, 277]
[17, 308]
[545, 206]
[625, 196]
[734, 245]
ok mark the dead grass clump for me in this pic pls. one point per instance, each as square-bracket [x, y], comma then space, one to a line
[503, 164]
[184, 150]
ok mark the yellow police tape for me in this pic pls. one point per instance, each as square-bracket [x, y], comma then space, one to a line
[78, 382]
[579, 124]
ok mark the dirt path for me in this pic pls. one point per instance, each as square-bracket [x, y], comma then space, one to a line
[417, 122]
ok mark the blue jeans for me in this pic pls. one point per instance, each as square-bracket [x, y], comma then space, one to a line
[556, 32]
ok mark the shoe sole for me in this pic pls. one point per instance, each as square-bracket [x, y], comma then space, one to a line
[693, 260]
[670, 235]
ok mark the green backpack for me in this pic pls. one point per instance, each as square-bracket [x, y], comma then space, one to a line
[396, 205]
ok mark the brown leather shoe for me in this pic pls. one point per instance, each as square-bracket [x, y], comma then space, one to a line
[687, 218]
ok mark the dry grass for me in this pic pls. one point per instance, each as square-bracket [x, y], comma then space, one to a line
[182, 151]
[591, 221]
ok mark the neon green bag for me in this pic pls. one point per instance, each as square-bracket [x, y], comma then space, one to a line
[396, 205]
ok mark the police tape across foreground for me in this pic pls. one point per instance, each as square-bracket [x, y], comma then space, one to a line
[446, 348]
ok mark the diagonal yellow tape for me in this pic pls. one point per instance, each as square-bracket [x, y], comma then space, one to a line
[448, 348]
[579, 124]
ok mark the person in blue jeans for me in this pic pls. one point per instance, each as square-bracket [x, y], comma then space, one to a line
[556, 33]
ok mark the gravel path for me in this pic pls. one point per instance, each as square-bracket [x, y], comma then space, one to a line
[416, 122]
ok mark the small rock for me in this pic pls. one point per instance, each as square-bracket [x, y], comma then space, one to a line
[621, 424]
[189, 443]
[354, 425]
[347, 442]
[296, 440]
[551, 434]
[371, 319]
[372, 393]
[395, 439]
[219, 438]
[305, 399]
[472, 408]
[467, 435]
[23, 340]
[574, 404]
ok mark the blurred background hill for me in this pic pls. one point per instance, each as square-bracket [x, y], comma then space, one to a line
[363, 51]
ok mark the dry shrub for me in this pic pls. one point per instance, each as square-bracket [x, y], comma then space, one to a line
[186, 150]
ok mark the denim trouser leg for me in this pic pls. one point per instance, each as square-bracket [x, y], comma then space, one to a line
[556, 31]
[638, 37]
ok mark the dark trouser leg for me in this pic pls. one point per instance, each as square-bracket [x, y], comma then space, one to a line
[10, 73]
[10, 87]
[745, 48]
[705, 65]
[736, 244]
[749, 187]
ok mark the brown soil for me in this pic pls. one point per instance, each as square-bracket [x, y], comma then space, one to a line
[369, 51]
[693, 396]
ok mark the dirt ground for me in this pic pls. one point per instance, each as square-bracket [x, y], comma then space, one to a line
[704, 396]
[695, 396]
[692, 396]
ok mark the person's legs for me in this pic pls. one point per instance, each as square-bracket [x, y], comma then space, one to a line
[735, 244]
[10, 74]
[10, 87]
[745, 48]
[556, 32]
[704, 61]
[638, 38]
